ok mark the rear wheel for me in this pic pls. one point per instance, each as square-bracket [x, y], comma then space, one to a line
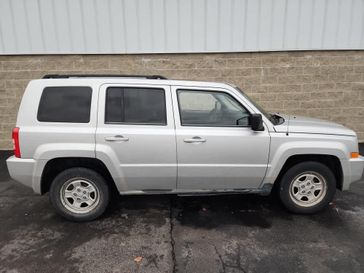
[79, 194]
[307, 187]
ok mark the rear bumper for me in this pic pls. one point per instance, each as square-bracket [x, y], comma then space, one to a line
[354, 171]
[25, 172]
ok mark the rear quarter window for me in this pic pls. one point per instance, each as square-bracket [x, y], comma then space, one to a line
[65, 104]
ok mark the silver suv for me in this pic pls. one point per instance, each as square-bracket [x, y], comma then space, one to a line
[82, 137]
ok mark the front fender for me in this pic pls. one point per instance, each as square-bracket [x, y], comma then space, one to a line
[280, 154]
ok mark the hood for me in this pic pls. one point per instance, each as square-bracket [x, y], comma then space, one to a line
[297, 124]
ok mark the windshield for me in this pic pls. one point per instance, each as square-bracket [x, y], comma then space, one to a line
[274, 118]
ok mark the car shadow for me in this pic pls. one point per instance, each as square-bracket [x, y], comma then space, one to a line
[208, 211]
[248, 210]
[213, 211]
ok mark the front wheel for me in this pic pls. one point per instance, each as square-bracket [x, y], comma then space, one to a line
[307, 187]
[79, 194]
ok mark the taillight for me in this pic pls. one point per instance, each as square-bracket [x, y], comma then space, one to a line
[16, 142]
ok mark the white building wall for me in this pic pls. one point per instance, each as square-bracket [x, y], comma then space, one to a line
[177, 26]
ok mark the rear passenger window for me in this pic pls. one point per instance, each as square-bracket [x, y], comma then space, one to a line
[65, 104]
[135, 106]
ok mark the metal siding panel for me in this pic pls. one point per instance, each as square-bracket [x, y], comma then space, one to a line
[185, 25]
[291, 24]
[77, 39]
[319, 14]
[265, 33]
[89, 21]
[158, 30]
[236, 24]
[172, 39]
[117, 22]
[225, 25]
[2, 49]
[198, 29]
[48, 24]
[158, 26]
[63, 26]
[361, 30]
[331, 24]
[212, 25]
[103, 26]
[244, 25]
[7, 26]
[278, 22]
[146, 26]
[252, 25]
[303, 37]
[357, 24]
[21, 31]
[35, 28]
[131, 26]
[344, 24]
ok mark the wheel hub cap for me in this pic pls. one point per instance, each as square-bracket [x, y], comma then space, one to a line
[308, 189]
[79, 195]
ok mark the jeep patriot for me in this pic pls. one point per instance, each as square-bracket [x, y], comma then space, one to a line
[82, 137]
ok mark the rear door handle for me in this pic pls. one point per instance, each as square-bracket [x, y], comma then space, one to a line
[195, 139]
[117, 138]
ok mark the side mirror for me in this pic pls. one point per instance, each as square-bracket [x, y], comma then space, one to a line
[256, 122]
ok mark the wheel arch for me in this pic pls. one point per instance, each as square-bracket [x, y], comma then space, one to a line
[331, 161]
[56, 165]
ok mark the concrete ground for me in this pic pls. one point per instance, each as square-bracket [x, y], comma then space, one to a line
[235, 233]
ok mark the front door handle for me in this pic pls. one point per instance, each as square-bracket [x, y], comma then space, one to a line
[117, 138]
[195, 139]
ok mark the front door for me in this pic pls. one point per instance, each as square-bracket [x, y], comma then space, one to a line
[216, 147]
[136, 135]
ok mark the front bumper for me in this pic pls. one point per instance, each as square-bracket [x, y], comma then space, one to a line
[354, 172]
[25, 171]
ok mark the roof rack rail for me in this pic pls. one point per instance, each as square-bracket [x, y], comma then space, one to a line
[65, 76]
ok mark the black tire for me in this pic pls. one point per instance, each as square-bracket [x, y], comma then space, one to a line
[290, 176]
[92, 177]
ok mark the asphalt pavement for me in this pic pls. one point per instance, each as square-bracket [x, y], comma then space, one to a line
[234, 233]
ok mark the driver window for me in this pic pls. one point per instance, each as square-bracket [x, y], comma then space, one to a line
[211, 108]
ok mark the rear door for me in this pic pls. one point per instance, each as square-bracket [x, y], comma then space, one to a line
[136, 135]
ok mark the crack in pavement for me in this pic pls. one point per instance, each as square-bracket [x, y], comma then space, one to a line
[174, 268]
[221, 260]
[236, 264]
